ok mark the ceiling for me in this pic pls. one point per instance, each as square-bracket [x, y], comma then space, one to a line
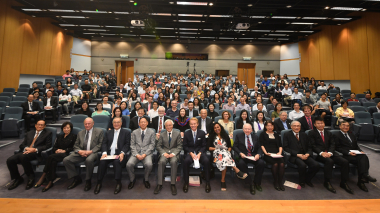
[281, 21]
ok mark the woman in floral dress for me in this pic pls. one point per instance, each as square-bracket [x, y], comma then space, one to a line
[219, 144]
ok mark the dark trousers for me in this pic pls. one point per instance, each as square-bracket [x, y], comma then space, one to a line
[117, 166]
[259, 169]
[28, 117]
[361, 161]
[329, 166]
[189, 160]
[51, 165]
[311, 171]
[53, 112]
[24, 160]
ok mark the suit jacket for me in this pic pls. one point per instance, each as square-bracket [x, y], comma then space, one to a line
[270, 107]
[123, 91]
[200, 144]
[175, 144]
[239, 144]
[372, 110]
[154, 123]
[143, 147]
[43, 142]
[53, 101]
[63, 143]
[278, 126]
[292, 145]
[195, 113]
[317, 143]
[208, 124]
[343, 145]
[123, 141]
[304, 124]
[35, 107]
[134, 123]
[254, 113]
[96, 140]
[146, 106]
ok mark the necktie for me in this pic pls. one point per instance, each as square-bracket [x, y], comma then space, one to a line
[297, 136]
[148, 106]
[142, 136]
[34, 139]
[114, 142]
[323, 137]
[285, 125]
[194, 137]
[138, 121]
[86, 140]
[309, 122]
[30, 106]
[347, 137]
[249, 147]
[170, 138]
[160, 125]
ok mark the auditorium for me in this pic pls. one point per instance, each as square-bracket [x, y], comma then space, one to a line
[189, 106]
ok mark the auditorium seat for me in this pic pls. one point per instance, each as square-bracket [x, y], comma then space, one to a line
[182, 96]
[228, 110]
[16, 103]
[364, 130]
[345, 91]
[5, 99]
[369, 104]
[12, 124]
[23, 90]
[376, 118]
[24, 86]
[377, 100]
[238, 112]
[101, 121]
[360, 96]
[12, 90]
[217, 118]
[77, 121]
[127, 120]
[354, 103]
[22, 94]
[358, 109]
[6, 94]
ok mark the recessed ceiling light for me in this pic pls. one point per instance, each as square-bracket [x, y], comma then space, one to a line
[327, 7]
[259, 22]
[64, 11]
[289, 6]
[171, 2]
[89, 25]
[192, 3]
[117, 18]
[249, 5]
[124, 13]
[220, 16]
[31, 10]
[339, 24]
[93, 11]
[306, 23]
[284, 17]
[364, 9]
[33, 16]
[257, 16]
[73, 17]
[211, 4]
[160, 14]
[67, 25]
[342, 19]
[191, 15]
[115, 26]
[97, 30]
[314, 18]
[347, 8]
[189, 21]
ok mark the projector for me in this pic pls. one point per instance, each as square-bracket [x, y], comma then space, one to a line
[242, 26]
[138, 23]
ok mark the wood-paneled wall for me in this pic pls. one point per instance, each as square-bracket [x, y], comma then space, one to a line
[30, 46]
[346, 52]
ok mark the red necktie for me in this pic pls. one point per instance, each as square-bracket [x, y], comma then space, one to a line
[323, 137]
[160, 127]
[309, 122]
[249, 147]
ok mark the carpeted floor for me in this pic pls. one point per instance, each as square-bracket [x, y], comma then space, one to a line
[235, 187]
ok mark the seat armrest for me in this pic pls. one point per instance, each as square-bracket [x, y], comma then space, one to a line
[16, 151]
[356, 129]
[45, 154]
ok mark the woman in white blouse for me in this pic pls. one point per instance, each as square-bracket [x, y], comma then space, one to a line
[259, 122]
[105, 103]
[153, 112]
[65, 99]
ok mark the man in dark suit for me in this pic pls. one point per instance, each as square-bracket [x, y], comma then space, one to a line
[374, 109]
[191, 112]
[194, 145]
[307, 120]
[298, 145]
[51, 104]
[323, 145]
[121, 89]
[283, 123]
[205, 123]
[115, 143]
[30, 110]
[169, 146]
[34, 143]
[159, 121]
[149, 105]
[345, 142]
[271, 106]
[134, 123]
[247, 144]
[34, 86]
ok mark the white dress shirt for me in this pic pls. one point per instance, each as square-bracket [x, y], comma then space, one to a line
[48, 102]
[294, 114]
[89, 139]
[255, 107]
[297, 96]
[203, 125]
[287, 91]
[114, 142]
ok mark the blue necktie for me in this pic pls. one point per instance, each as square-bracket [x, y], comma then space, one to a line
[194, 137]
[142, 136]
[170, 138]
[285, 125]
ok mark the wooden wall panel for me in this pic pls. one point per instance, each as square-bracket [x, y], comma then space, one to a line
[304, 64]
[325, 54]
[56, 52]
[314, 61]
[44, 50]
[66, 49]
[358, 55]
[30, 45]
[339, 39]
[3, 15]
[373, 34]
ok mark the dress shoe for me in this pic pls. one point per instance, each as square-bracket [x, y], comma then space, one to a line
[53, 122]
[282, 187]
[97, 188]
[74, 184]
[157, 189]
[329, 187]
[16, 183]
[277, 187]
[146, 184]
[369, 178]
[47, 187]
[258, 188]
[186, 187]
[132, 184]
[309, 184]
[362, 186]
[346, 187]
[302, 185]
[38, 185]
[208, 188]
[252, 189]
[117, 188]
[174, 189]
[30, 184]
[87, 187]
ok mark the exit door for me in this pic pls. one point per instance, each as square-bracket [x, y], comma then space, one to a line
[246, 73]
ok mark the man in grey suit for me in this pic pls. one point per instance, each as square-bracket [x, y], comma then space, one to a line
[86, 148]
[142, 146]
[169, 146]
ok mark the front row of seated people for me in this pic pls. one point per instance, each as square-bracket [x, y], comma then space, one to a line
[114, 145]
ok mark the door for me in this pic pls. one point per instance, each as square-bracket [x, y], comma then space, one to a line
[124, 71]
[222, 73]
[246, 73]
